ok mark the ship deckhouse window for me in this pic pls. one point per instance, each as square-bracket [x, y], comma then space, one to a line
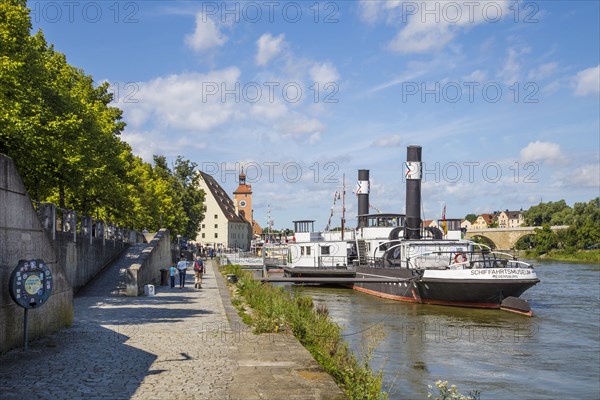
[308, 250]
[325, 250]
[301, 250]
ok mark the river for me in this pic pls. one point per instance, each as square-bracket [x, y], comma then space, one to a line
[553, 355]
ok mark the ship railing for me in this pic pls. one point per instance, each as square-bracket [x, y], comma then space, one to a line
[374, 262]
[425, 260]
[511, 256]
[506, 260]
[332, 262]
[473, 259]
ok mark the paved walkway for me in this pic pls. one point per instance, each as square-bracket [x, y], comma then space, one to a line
[178, 344]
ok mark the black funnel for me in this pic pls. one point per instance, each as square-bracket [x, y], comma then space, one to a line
[412, 173]
[362, 192]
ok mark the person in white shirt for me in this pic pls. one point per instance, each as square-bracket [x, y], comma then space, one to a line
[181, 268]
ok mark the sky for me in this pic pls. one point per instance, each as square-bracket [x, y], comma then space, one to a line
[503, 96]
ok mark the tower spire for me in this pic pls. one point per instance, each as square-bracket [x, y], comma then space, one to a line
[242, 177]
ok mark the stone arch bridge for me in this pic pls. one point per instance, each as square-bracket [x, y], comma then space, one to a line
[505, 238]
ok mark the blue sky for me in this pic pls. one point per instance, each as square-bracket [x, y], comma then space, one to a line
[502, 95]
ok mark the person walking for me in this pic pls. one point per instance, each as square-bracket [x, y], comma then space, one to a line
[199, 270]
[181, 268]
[172, 273]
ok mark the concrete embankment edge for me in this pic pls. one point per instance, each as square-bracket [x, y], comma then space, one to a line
[272, 365]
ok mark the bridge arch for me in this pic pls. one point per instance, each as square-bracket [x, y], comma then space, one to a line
[506, 238]
[523, 242]
[484, 240]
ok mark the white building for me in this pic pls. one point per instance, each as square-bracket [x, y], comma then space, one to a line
[510, 219]
[223, 226]
[465, 224]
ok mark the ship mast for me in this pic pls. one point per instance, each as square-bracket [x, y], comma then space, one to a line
[343, 204]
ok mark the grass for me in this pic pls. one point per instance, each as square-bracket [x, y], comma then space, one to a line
[580, 256]
[269, 309]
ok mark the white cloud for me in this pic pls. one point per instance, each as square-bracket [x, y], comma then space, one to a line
[543, 71]
[269, 110]
[324, 73]
[421, 38]
[182, 101]
[314, 138]
[206, 35]
[297, 125]
[587, 176]
[147, 143]
[432, 25]
[403, 78]
[268, 47]
[371, 11]
[542, 151]
[388, 141]
[588, 81]
[511, 71]
[180, 106]
[475, 76]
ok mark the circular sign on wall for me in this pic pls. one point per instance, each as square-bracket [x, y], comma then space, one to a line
[30, 283]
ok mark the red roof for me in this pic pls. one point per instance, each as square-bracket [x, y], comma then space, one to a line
[488, 218]
[243, 189]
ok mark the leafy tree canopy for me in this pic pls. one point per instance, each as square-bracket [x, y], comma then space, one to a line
[64, 135]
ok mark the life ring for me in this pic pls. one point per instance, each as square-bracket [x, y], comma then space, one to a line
[460, 258]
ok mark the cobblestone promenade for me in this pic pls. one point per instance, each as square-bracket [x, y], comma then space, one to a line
[180, 344]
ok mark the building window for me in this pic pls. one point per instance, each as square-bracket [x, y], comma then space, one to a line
[203, 235]
[216, 226]
[216, 216]
[216, 235]
[203, 226]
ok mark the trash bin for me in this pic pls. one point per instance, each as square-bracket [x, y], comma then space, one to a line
[164, 277]
[232, 278]
[149, 290]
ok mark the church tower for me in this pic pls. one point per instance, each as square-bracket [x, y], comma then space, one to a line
[242, 198]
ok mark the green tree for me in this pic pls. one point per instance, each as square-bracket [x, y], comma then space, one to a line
[586, 220]
[64, 137]
[545, 239]
[542, 213]
[192, 197]
[471, 218]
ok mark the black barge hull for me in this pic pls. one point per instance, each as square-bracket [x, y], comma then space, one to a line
[480, 293]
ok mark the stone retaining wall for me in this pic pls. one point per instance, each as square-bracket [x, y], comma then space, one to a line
[146, 271]
[23, 237]
[75, 248]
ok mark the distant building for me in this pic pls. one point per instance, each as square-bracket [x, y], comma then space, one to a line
[224, 225]
[465, 224]
[242, 199]
[510, 219]
[429, 223]
[483, 221]
[256, 229]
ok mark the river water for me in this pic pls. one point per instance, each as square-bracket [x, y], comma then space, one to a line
[553, 355]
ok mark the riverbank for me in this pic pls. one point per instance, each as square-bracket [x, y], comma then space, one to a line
[553, 355]
[581, 256]
[271, 310]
